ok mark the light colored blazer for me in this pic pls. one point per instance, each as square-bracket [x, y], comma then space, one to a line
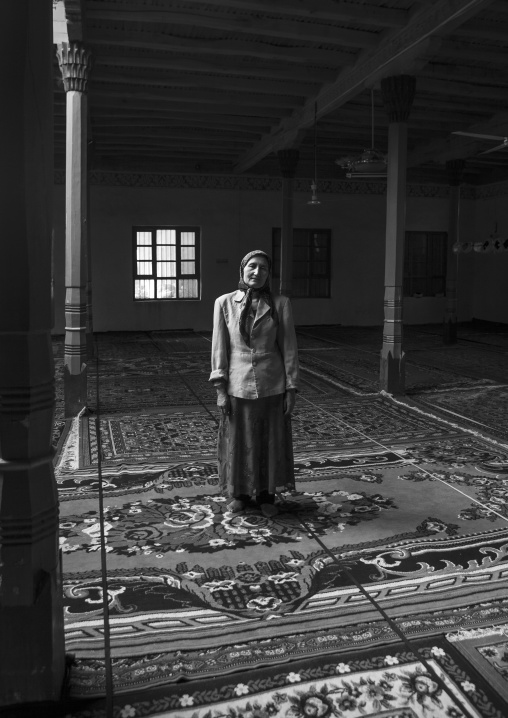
[270, 365]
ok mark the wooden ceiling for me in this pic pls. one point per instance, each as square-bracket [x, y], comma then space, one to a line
[219, 86]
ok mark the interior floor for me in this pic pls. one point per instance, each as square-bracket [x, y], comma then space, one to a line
[381, 585]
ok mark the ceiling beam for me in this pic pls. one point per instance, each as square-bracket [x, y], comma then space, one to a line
[409, 42]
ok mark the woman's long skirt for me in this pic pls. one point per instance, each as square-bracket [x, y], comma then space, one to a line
[255, 448]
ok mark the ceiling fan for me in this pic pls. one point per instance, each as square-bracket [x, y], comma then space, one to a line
[371, 162]
[502, 146]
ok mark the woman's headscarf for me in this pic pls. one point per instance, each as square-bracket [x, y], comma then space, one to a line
[264, 291]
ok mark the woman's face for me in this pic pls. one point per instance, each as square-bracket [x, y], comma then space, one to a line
[256, 271]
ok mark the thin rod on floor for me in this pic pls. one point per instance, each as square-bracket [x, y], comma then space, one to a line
[104, 570]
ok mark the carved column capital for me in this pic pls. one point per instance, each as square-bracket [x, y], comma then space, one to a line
[75, 63]
[454, 171]
[398, 94]
[288, 160]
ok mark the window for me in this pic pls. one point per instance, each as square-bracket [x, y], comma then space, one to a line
[311, 261]
[425, 264]
[166, 263]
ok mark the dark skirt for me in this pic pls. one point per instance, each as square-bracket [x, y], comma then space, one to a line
[255, 448]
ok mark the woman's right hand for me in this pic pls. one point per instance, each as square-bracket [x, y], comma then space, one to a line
[224, 402]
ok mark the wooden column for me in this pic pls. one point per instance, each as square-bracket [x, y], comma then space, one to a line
[75, 63]
[455, 170]
[89, 308]
[32, 652]
[398, 93]
[288, 160]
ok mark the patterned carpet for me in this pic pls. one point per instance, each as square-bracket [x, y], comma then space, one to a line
[398, 529]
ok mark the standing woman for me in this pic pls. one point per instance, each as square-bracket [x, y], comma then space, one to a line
[255, 372]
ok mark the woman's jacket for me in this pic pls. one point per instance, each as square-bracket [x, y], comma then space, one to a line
[269, 365]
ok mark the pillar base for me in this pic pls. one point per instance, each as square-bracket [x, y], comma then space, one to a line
[32, 646]
[75, 392]
[450, 331]
[392, 375]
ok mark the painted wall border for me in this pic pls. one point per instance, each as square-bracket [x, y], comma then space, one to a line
[255, 183]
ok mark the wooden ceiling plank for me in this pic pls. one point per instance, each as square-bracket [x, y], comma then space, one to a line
[179, 108]
[203, 97]
[286, 29]
[327, 10]
[460, 49]
[152, 40]
[208, 65]
[457, 147]
[160, 152]
[285, 87]
[463, 89]
[247, 125]
[440, 18]
[466, 73]
[125, 124]
[491, 32]
[169, 139]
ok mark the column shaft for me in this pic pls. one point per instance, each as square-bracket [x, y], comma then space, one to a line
[32, 652]
[392, 375]
[74, 63]
[398, 93]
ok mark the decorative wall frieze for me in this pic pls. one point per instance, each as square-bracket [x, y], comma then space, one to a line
[274, 184]
[492, 190]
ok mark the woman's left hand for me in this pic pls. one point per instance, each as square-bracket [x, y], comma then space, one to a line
[289, 402]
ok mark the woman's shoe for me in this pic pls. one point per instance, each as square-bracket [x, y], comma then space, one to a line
[236, 506]
[269, 510]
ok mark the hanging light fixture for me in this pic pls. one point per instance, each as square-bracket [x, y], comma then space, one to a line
[371, 162]
[314, 198]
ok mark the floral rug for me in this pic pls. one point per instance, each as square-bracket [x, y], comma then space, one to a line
[484, 409]
[429, 679]
[185, 572]
[487, 651]
[399, 523]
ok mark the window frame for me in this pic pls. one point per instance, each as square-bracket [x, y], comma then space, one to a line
[179, 229]
[310, 276]
[430, 276]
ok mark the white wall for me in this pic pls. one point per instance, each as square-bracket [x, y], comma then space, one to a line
[235, 221]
